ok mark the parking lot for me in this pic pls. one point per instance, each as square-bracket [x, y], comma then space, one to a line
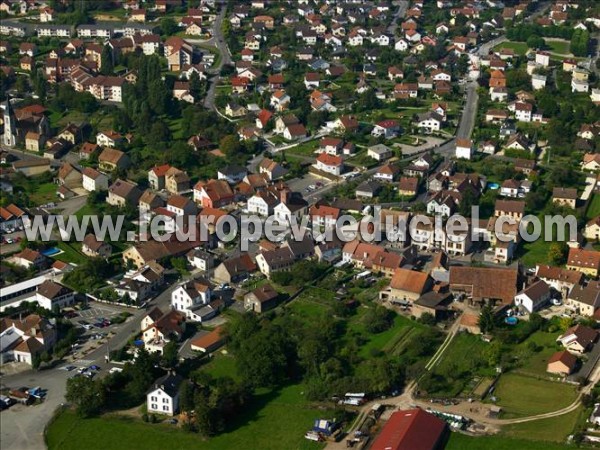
[301, 184]
[96, 312]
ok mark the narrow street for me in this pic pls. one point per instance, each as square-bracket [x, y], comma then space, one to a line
[217, 41]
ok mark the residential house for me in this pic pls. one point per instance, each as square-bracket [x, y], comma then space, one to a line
[95, 248]
[92, 180]
[379, 152]
[122, 193]
[584, 261]
[235, 268]
[578, 339]
[585, 300]
[163, 396]
[213, 193]
[329, 164]
[561, 363]
[51, 295]
[565, 197]
[261, 299]
[406, 286]
[191, 298]
[533, 297]
[276, 260]
[111, 159]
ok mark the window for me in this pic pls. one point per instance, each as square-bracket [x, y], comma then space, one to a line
[153, 398]
[165, 408]
[165, 400]
[153, 406]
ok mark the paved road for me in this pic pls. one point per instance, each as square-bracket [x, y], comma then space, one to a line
[218, 41]
[400, 12]
[467, 121]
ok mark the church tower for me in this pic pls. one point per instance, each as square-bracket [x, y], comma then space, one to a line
[9, 138]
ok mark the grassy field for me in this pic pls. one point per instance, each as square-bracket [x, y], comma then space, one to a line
[594, 207]
[535, 364]
[520, 48]
[44, 193]
[460, 441]
[560, 47]
[521, 396]
[462, 356]
[276, 420]
[390, 338]
[555, 429]
[221, 366]
[70, 254]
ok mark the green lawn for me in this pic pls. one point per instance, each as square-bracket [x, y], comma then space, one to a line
[535, 364]
[70, 254]
[276, 420]
[560, 47]
[555, 429]
[594, 207]
[44, 193]
[221, 366]
[521, 396]
[389, 339]
[460, 441]
[463, 356]
[520, 48]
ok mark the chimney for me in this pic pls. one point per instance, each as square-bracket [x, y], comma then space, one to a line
[284, 195]
[32, 331]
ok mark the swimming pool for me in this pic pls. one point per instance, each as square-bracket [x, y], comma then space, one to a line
[51, 251]
[511, 320]
[493, 186]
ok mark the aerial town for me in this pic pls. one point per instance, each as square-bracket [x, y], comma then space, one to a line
[282, 183]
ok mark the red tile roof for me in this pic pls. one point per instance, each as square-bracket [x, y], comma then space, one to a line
[413, 429]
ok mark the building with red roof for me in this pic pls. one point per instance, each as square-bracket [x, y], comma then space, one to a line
[413, 429]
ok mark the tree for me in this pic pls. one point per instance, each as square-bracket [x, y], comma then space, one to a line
[196, 88]
[536, 42]
[378, 319]
[487, 320]
[427, 319]
[186, 396]
[168, 26]
[230, 145]
[86, 394]
[106, 61]
[557, 253]
[169, 356]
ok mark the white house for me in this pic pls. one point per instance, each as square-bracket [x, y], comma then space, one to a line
[401, 45]
[262, 203]
[379, 152]
[523, 111]
[430, 121]
[52, 295]
[94, 180]
[330, 163]
[542, 58]
[163, 397]
[387, 128]
[200, 259]
[190, 297]
[534, 296]
[538, 81]
[464, 148]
